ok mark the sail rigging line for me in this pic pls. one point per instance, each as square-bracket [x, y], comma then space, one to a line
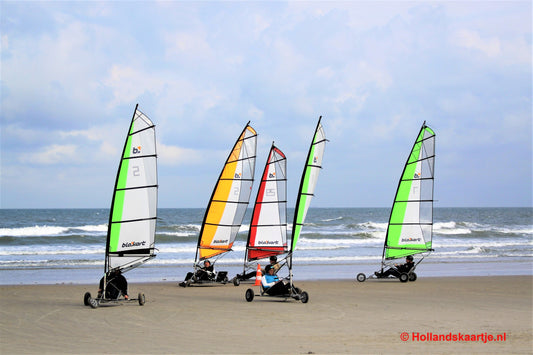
[136, 187]
[234, 202]
[134, 220]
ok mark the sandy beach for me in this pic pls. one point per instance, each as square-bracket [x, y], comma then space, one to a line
[341, 316]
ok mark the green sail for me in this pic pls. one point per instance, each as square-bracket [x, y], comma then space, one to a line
[410, 226]
[310, 173]
[118, 204]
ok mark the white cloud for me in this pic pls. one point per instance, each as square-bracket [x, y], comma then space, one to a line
[128, 83]
[173, 155]
[4, 44]
[54, 154]
[325, 72]
[260, 24]
[255, 113]
[103, 142]
[472, 40]
[187, 45]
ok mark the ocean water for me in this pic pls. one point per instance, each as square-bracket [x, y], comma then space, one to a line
[48, 246]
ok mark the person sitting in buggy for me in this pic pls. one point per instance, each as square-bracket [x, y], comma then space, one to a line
[207, 272]
[272, 284]
[398, 268]
[116, 285]
[273, 263]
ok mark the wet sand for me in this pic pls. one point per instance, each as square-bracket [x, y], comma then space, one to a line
[343, 316]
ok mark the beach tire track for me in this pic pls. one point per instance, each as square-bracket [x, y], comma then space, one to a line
[47, 315]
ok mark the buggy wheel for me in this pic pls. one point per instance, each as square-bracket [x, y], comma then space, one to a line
[404, 277]
[93, 303]
[249, 295]
[236, 281]
[361, 277]
[86, 298]
[141, 299]
[304, 297]
[412, 276]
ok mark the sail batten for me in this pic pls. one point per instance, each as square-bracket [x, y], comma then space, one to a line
[410, 226]
[133, 215]
[230, 197]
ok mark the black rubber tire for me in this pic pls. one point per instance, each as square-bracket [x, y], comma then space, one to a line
[412, 276]
[361, 277]
[93, 303]
[404, 277]
[141, 299]
[236, 281]
[304, 297]
[249, 295]
[86, 298]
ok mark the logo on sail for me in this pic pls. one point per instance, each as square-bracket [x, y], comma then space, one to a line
[315, 160]
[272, 175]
[237, 175]
[220, 241]
[411, 240]
[137, 150]
[417, 176]
[133, 244]
[267, 242]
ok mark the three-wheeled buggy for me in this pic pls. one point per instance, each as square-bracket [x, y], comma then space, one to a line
[112, 290]
[203, 275]
[101, 300]
[285, 290]
[403, 272]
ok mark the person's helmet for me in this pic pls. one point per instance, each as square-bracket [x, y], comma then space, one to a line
[273, 258]
[409, 257]
[267, 268]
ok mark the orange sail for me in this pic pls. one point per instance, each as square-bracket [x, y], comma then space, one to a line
[226, 209]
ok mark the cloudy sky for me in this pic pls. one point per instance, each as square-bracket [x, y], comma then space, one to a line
[72, 72]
